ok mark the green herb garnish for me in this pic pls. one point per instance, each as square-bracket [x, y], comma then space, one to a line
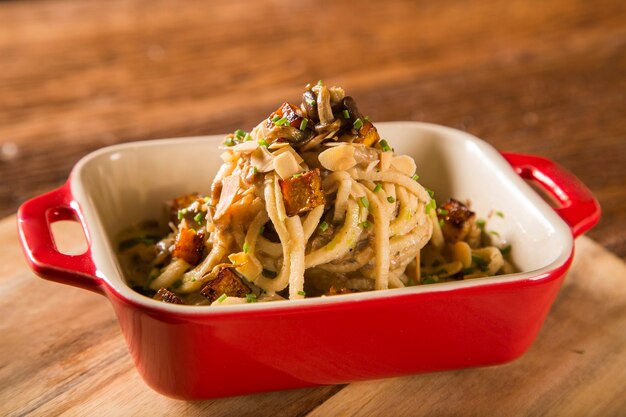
[481, 223]
[415, 177]
[251, 298]
[302, 293]
[221, 298]
[229, 142]
[365, 224]
[346, 114]
[358, 124]
[505, 250]
[500, 214]
[240, 133]
[364, 202]
[384, 145]
[378, 187]
[263, 142]
[323, 226]
[198, 217]
[303, 123]
[246, 247]
[391, 199]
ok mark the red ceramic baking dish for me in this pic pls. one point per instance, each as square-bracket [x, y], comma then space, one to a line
[194, 352]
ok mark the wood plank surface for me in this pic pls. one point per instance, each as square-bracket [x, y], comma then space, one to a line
[62, 354]
[537, 77]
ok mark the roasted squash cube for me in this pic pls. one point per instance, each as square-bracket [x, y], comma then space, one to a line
[167, 296]
[367, 135]
[457, 220]
[302, 193]
[227, 282]
[189, 246]
[287, 114]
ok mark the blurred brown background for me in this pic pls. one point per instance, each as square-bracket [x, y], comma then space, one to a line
[544, 77]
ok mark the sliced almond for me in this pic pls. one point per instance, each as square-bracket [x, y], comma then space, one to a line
[338, 158]
[403, 164]
[286, 165]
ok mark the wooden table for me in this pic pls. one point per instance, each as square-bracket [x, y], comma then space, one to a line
[536, 77]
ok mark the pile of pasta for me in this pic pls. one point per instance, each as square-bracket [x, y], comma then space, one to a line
[311, 202]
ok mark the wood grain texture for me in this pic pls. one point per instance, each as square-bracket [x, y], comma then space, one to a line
[63, 354]
[536, 77]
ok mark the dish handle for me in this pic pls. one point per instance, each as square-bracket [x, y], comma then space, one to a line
[577, 206]
[34, 218]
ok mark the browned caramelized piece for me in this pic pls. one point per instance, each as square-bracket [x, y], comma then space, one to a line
[167, 296]
[457, 220]
[302, 193]
[367, 134]
[181, 203]
[288, 112]
[340, 291]
[189, 246]
[227, 282]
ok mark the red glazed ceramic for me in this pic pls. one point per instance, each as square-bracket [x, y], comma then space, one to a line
[192, 352]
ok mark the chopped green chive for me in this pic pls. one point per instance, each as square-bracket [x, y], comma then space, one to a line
[283, 121]
[303, 123]
[263, 142]
[480, 262]
[198, 217]
[275, 118]
[358, 124]
[500, 214]
[180, 214]
[415, 177]
[429, 280]
[255, 169]
[481, 223]
[505, 250]
[302, 293]
[441, 211]
[391, 199]
[430, 192]
[262, 229]
[469, 270]
[222, 298]
[364, 202]
[366, 118]
[229, 142]
[297, 174]
[319, 82]
[207, 200]
[240, 133]
[311, 102]
[246, 247]
[346, 114]
[493, 232]
[251, 298]
[430, 206]
[384, 145]
[441, 222]
[365, 224]
[247, 137]
[323, 226]
[378, 187]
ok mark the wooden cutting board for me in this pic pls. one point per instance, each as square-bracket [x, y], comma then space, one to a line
[61, 353]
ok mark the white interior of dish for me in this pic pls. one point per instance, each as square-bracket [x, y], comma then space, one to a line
[122, 185]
